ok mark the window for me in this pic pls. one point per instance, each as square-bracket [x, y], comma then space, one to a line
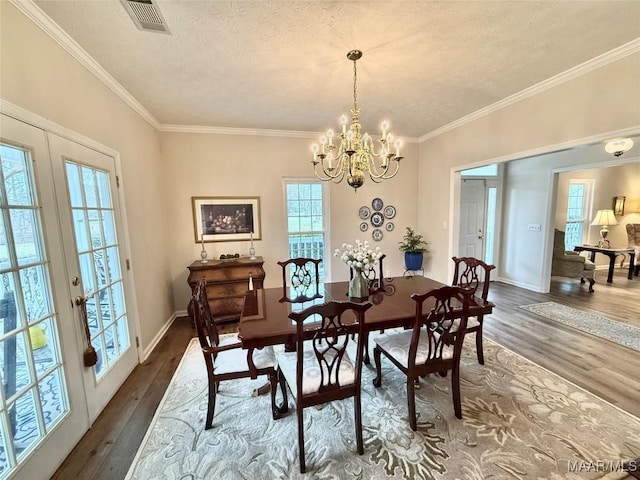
[578, 210]
[486, 171]
[306, 220]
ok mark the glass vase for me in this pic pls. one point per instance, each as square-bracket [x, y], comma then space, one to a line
[358, 285]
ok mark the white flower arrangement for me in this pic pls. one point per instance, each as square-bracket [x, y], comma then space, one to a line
[359, 256]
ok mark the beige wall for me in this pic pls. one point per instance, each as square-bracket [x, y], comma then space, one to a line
[238, 165]
[39, 76]
[601, 101]
[608, 183]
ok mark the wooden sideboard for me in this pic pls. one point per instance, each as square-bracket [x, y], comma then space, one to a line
[227, 283]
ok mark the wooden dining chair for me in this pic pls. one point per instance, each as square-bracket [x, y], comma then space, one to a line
[471, 273]
[224, 357]
[300, 279]
[429, 346]
[320, 370]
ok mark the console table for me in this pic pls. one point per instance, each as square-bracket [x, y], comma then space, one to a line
[612, 253]
[227, 283]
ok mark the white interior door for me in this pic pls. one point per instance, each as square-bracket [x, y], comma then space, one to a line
[472, 218]
[90, 220]
[43, 409]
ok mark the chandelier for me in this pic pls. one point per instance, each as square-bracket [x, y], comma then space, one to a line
[355, 153]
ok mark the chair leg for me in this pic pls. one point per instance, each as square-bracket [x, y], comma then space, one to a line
[411, 402]
[479, 349]
[284, 406]
[365, 340]
[211, 407]
[455, 388]
[591, 282]
[299, 411]
[376, 357]
[357, 407]
[273, 382]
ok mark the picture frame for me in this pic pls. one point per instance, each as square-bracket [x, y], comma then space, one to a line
[226, 219]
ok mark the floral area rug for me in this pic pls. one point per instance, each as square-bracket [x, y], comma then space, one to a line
[519, 421]
[617, 332]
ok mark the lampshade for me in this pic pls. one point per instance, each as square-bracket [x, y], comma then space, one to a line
[605, 217]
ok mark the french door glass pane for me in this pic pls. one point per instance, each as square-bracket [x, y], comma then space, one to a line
[30, 360]
[99, 259]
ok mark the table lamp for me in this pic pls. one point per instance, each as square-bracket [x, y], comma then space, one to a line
[604, 218]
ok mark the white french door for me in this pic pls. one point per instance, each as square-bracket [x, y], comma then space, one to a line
[59, 220]
[90, 221]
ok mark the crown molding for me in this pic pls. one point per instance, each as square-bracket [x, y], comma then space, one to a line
[597, 62]
[62, 38]
[234, 131]
[250, 131]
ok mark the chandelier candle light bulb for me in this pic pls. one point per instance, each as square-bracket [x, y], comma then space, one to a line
[355, 153]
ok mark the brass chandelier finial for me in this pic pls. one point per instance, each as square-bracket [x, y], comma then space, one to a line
[355, 155]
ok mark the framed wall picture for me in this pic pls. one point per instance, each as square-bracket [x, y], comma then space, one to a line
[226, 219]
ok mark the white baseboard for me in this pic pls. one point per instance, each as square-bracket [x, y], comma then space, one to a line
[154, 342]
[533, 288]
[149, 348]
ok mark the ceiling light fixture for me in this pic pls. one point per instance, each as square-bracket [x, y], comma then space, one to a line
[618, 146]
[356, 154]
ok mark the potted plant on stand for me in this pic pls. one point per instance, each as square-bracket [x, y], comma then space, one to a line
[413, 245]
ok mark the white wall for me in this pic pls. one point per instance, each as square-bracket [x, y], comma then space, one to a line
[36, 74]
[601, 101]
[202, 164]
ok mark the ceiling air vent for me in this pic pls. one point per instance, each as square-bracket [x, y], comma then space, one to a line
[146, 15]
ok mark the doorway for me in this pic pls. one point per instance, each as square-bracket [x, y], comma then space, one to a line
[478, 213]
[58, 243]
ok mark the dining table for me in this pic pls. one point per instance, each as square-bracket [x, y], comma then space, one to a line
[265, 315]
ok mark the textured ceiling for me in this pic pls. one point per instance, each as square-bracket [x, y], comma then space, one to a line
[282, 65]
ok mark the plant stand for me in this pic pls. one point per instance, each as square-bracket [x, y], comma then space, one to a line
[410, 273]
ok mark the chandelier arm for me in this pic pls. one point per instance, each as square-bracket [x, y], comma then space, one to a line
[384, 174]
[324, 175]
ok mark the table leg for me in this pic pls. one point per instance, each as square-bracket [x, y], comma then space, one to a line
[612, 262]
[632, 262]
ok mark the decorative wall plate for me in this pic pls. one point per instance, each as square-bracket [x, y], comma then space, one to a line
[364, 226]
[389, 226]
[364, 212]
[377, 204]
[377, 234]
[389, 211]
[377, 219]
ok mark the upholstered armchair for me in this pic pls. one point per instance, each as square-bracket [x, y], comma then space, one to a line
[570, 264]
[633, 233]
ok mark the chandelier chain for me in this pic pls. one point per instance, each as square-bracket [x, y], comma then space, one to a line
[355, 93]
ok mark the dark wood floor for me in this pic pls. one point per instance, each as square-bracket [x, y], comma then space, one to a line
[608, 370]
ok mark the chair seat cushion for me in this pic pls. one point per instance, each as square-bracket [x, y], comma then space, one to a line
[397, 345]
[233, 361]
[589, 265]
[311, 370]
